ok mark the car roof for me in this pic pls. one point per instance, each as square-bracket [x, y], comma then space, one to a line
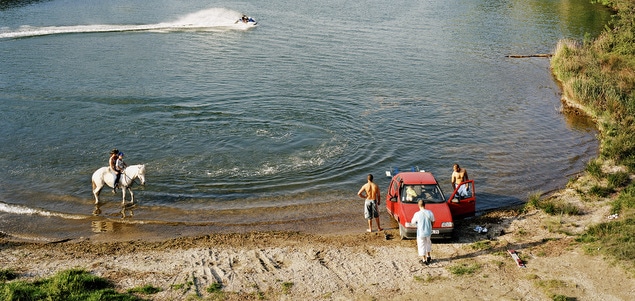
[416, 178]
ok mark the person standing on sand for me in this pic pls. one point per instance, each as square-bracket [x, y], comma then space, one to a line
[370, 192]
[424, 219]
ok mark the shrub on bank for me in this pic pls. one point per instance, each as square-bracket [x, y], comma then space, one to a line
[600, 75]
[73, 284]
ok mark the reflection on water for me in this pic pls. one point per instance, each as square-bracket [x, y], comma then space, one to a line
[577, 119]
[126, 210]
[102, 226]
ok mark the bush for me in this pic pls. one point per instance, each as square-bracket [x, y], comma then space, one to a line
[71, 285]
[618, 179]
[595, 169]
[615, 238]
[6, 275]
[600, 191]
[550, 206]
[599, 75]
[626, 199]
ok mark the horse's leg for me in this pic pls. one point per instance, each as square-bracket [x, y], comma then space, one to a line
[123, 194]
[96, 190]
[131, 196]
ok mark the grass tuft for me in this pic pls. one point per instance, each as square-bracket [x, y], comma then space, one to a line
[482, 245]
[286, 287]
[618, 179]
[550, 206]
[7, 275]
[145, 290]
[71, 285]
[464, 269]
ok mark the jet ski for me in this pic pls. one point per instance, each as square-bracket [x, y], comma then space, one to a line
[246, 20]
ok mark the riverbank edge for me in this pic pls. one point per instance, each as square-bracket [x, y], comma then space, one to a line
[587, 56]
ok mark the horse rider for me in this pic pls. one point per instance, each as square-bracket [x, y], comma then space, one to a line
[120, 166]
[112, 164]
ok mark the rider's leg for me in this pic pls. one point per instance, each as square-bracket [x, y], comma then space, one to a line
[117, 180]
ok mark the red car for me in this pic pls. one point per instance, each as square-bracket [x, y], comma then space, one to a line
[407, 188]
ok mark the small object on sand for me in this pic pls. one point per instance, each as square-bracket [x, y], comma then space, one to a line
[517, 259]
[480, 229]
[613, 216]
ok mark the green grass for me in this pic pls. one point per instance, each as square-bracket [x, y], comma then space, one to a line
[599, 74]
[594, 168]
[618, 180]
[145, 290]
[286, 287]
[69, 285]
[614, 238]
[624, 201]
[464, 269]
[214, 288]
[533, 202]
[216, 291]
[482, 245]
[550, 206]
[601, 191]
[7, 274]
[562, 298]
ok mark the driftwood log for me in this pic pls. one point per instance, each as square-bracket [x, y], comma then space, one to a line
[529, 55]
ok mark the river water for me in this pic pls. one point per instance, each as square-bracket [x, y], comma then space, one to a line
[275, 127]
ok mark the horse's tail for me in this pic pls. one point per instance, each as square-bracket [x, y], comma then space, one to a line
[94, 185]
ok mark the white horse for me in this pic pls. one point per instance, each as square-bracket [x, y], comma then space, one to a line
[106, 176]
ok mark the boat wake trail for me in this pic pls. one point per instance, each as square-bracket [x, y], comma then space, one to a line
[213, 19]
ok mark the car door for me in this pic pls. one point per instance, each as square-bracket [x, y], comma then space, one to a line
[463, 206]
[393, 195]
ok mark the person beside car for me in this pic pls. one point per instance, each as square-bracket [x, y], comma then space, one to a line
[370, 192]
[459, 175]
[424, 219]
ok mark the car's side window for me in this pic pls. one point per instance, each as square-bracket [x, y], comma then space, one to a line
[392, 191]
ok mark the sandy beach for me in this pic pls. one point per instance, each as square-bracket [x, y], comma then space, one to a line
[279, 265]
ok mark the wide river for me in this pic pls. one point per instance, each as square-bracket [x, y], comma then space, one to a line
[275, 127]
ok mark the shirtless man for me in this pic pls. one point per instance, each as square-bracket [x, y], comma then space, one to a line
[112, 162]
[459, 175]
[370, 192]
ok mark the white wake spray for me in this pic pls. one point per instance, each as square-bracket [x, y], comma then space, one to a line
[204, 20]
